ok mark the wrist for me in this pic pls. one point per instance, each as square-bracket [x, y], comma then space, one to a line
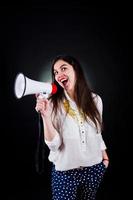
[105, 159]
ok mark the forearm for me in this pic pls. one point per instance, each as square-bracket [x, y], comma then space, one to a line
[51, 136]
[49, 131]
[105, 155]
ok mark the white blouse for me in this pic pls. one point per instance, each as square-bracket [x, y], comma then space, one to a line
[77, 142]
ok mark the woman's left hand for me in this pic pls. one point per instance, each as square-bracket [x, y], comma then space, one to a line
[106, 163]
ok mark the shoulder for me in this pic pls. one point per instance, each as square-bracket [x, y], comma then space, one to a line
[98, 101]
[96, 98]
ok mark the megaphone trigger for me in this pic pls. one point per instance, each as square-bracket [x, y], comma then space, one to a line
[43, 95]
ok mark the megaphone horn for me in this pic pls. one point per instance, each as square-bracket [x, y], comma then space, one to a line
[24, 86]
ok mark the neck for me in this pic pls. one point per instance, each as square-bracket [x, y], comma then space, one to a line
[71, 94]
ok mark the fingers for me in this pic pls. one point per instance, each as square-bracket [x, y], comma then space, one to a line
[42, 105]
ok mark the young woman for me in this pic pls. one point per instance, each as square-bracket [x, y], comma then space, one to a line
[72, 120]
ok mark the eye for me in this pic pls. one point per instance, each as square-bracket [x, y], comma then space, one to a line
[55, 72]
[63, 68]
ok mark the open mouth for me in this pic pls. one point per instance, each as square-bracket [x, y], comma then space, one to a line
[64, 82]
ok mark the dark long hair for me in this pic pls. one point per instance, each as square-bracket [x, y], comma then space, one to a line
[83, 93]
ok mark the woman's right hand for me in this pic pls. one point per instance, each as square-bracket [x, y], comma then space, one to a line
[43, 106]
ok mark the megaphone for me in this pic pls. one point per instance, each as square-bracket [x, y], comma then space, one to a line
[25, 86]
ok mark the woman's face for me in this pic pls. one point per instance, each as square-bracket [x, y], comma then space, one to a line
[65, 75]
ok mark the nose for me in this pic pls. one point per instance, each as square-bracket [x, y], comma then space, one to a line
[59, 76]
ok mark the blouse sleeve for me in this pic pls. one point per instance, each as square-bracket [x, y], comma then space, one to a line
[103, 146]
[99, 104]
[55, 143]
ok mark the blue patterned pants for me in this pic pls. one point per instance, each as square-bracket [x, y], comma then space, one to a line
[68, 185]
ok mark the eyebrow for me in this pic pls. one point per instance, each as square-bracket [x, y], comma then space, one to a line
[60, 67]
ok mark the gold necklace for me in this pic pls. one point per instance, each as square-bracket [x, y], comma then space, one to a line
[79, 117]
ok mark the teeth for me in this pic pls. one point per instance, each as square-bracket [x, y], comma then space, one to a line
[63, 80]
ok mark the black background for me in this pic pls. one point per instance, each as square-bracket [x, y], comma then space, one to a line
[31, 36]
